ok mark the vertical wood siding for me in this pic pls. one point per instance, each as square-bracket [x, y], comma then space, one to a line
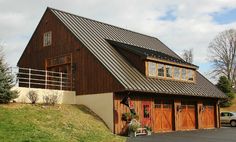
[89, 76]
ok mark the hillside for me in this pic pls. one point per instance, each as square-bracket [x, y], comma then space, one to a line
[231, 108]
[62, 123]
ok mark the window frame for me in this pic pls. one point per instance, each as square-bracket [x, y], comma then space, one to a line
[158, 65]
[47, 39]
[148, 72]
[179, 76]
[171, 69]
[160, 72]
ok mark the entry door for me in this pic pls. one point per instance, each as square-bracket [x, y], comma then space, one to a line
[163, 115]
[146, 113]
[208, 116]
[187, 116]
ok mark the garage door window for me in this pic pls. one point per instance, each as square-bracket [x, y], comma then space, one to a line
[146, 111]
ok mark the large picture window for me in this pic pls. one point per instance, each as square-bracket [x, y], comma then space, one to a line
[176, 73]
[169, 71]
[152, 69]
[161, 70]
[47, 38]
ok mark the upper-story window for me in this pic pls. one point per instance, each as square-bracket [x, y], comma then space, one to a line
[176, 73]
[169, 71]
[184, 74]
[161, 70]
[47, 38]
[152, 69]
[190, 75]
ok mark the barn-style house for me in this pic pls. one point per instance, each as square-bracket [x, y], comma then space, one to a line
[108, 63]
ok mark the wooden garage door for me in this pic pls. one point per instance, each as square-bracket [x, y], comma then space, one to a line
[187, 116]
[208, 115]
[163, 113]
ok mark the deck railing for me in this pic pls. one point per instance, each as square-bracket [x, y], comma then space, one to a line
[35, 78]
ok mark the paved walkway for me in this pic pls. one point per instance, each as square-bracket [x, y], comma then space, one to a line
[224, 134]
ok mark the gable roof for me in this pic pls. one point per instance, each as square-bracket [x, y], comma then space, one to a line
[94, 36]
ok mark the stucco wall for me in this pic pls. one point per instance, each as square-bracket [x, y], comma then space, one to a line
[65, 97]
[101, 104]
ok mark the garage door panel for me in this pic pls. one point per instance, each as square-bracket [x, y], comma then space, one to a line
[187, 117]
[163, 116]
[208, 116]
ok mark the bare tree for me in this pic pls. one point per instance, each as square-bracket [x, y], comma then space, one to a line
[222, 54]
[188, 55]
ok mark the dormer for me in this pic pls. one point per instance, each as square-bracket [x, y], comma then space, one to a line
[155, 64]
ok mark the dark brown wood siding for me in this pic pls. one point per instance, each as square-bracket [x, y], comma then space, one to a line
[134, 59]
[89, 76]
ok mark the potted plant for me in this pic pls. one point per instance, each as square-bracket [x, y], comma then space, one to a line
[149, 130]
[133, 126]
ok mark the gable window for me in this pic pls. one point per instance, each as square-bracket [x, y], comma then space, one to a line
[161, 70]
[152, 69]
[184, 73]
[190, 75]
[169, 71]
[47, 38]
[176, 72]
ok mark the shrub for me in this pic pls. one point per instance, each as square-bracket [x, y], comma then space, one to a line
[51, 99]
[134, 125]
[32, 96]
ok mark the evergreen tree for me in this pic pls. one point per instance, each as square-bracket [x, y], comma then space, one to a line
[6, 82]
[225, 86]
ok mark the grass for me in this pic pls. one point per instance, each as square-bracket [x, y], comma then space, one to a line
[62, 123]
[232, 107]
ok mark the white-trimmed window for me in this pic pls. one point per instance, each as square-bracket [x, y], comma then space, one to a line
[161, 70]
[152, 69]
[184, 73]
[47, 38]
[169, 71]
[176, 73]
[190, 75]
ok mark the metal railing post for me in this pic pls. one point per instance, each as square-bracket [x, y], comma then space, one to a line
[61, 81]
[29, 77]
[46, 79]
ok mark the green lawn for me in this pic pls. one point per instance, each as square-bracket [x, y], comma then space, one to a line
[62, 123]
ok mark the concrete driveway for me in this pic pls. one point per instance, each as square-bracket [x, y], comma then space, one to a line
[224, 134]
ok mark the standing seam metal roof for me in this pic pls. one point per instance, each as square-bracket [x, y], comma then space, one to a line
[94, 35]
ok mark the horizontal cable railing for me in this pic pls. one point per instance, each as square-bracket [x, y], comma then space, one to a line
[35, 78]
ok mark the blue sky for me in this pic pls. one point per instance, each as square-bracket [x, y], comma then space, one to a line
[225, 16]
[180, 24]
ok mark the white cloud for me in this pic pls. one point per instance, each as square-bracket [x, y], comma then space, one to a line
[193, 28]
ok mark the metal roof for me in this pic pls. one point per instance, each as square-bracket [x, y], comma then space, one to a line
[150, 53]
[94, 36]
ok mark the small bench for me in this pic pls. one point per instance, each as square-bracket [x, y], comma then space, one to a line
[140, 131]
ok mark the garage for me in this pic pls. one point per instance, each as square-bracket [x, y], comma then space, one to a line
[208, 115]
[163, 119]
[187, 116]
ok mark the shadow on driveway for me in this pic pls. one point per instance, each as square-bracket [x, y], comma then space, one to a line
[224, 134]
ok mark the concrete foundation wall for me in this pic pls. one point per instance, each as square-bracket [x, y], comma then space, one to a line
[65, 97]
[101, 104]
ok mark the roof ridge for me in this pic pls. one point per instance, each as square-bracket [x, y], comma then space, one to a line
[105, 23]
